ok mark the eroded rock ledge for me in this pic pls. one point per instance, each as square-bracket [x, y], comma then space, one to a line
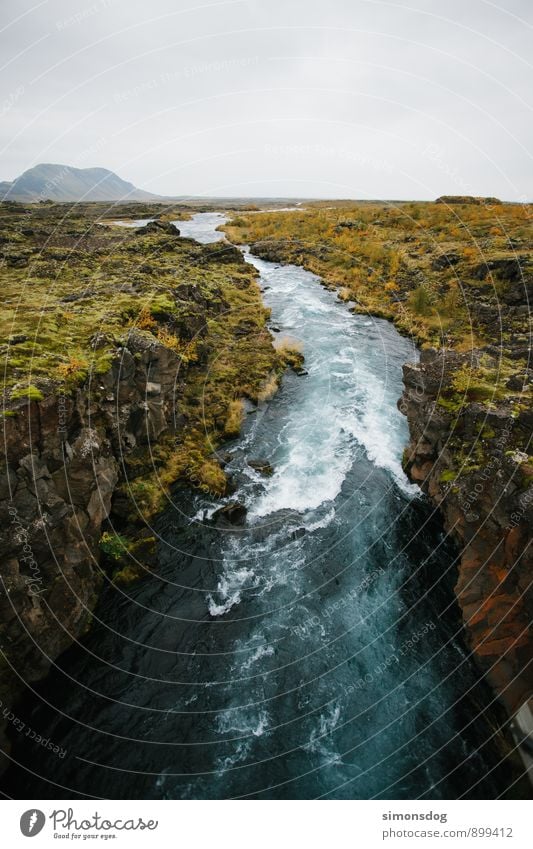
[65, 457]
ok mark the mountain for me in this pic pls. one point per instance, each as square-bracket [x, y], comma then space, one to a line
[64, 183]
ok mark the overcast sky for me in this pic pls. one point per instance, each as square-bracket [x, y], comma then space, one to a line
[337, 98]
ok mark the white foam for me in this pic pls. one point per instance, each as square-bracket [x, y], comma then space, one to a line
[243, 722]
[320, 740]
[326, 520]
[229, 590]
[261, 651]
[307, 479]
[379, 438]
[240, 754]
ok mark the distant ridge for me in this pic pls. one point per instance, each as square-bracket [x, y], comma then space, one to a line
[64, 183]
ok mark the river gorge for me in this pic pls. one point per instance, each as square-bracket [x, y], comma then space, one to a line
[313, 648]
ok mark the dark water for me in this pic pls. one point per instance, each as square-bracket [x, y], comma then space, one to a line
[314, 652]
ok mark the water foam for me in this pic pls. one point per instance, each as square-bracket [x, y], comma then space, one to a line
[380, 444]
[261, 651]
[246, 722]
[229, 590]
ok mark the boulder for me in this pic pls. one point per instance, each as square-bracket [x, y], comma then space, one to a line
[261, 466]
[159, 227]
[233, 513]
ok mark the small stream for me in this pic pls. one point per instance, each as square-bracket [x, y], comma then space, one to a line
[314, 652]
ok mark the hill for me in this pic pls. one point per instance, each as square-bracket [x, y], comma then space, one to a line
[64, 183]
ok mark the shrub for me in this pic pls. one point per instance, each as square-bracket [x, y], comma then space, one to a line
[420, 301]
[145, 320]
[234, 419]
[211, 478]
[268, 389]
[113, 545]
[74, 370]
[290, 353]
[187, 351]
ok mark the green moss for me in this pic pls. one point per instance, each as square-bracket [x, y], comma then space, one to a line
[129, 574]
[30, 392]
[202, 304]
[103, 363]
[451, 404]
[162, 305]
[420, 301]
[447, 476]
[384, 257]
[113, 545]
[234, 419]
[132, 557]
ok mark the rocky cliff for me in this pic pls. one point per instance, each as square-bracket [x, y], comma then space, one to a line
[471, 463]
[65, 458]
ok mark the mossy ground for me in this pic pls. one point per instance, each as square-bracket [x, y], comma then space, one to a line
[415, 263]
[65, 278]
[455, 276]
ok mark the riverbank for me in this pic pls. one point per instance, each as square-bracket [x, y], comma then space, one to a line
[128, 356]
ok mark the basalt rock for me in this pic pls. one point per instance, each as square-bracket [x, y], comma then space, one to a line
[223, 253]
[261, 466]
[487, 507]
[65, 455]
[233, 513]
[159, 227]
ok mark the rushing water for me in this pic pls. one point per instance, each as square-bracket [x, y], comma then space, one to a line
[312, 652]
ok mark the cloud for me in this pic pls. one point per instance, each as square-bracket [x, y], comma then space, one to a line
[360, 98]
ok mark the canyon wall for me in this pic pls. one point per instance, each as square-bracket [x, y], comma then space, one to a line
[470, 463]
[65, 459]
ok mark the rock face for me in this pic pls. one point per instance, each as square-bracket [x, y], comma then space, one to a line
[65, 455]
[262, 466]
[486, 498]
[159, 227]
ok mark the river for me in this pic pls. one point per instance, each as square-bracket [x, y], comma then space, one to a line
[315, 652]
